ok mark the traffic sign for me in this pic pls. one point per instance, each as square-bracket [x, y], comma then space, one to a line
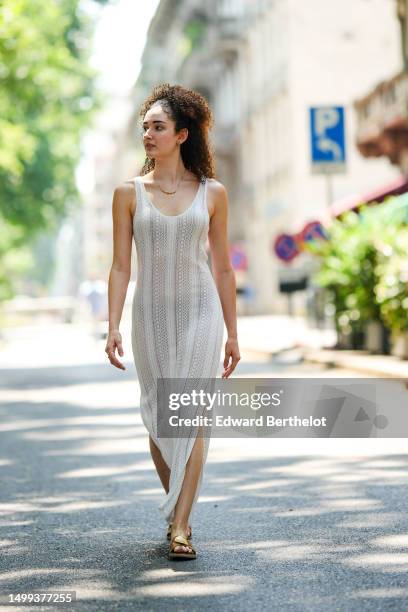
[327, 139]
[289, 246]
[312, 231]
[239, 260]
[286, 247]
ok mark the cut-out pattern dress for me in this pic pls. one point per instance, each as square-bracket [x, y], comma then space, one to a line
[177, 318]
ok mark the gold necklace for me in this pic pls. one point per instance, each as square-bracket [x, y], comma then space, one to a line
[178, 185]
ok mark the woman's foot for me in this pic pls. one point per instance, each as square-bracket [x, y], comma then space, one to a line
[189, 536]
[181, 548]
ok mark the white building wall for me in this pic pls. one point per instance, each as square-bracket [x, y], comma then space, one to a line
[293, 54]
[301, 54]
[351, 45]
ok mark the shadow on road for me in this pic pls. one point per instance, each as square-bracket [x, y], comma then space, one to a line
[79, 511]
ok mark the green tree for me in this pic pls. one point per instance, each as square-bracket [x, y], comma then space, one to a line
[47, 98]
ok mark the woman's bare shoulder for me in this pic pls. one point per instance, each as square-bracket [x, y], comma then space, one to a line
[125, 189]
[216, 188]
[124, 195]
[217, 193]
[215, 184]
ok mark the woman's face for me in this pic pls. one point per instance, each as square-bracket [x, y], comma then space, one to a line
[159, 137]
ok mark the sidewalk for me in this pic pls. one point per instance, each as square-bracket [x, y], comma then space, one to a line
[262, 336]
[271, 334]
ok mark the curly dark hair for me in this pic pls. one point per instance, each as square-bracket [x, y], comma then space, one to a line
[188, 109]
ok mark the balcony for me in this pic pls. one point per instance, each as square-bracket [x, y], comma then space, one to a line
[230, 33]
[382, 121]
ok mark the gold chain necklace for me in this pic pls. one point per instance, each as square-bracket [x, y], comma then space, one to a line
[178, 185]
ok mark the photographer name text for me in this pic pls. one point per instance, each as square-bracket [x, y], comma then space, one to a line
[260, 421]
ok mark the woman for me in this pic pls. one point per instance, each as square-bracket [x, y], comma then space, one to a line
[178, 311]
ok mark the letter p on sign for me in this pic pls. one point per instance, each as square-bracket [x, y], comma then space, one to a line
[325, 119]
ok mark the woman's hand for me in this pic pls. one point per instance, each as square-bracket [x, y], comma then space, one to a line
[114, 342]
[231, 351]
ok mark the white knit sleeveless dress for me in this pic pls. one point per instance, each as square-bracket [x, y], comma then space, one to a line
[177, 318]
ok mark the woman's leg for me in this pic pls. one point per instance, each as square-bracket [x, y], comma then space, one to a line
[185, 501]
[161, 466]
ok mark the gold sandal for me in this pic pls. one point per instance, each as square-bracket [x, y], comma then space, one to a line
[169, 532]
[177, 541]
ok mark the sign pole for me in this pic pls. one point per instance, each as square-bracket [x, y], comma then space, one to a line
[328, 144]
[290, 305]
[328, 149]
[329, 189]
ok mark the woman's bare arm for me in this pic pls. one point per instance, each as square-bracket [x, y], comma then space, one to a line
[223, 273]
[119, 275]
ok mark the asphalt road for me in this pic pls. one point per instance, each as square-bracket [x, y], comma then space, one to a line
[287, 524]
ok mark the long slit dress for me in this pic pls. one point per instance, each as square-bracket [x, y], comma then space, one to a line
[177, 319]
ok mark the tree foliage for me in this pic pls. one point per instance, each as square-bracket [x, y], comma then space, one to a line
[47, 98]
[364, 265]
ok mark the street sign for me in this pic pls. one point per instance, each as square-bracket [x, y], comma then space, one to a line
[239, 260]
[312, 231]
[289, 246]
[285, 247]
[327, 139]
[292, 286]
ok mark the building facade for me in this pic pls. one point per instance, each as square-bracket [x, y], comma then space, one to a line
[382, 129]
[261, 64]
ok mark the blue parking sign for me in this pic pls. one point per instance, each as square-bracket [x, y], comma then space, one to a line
[327, 139]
